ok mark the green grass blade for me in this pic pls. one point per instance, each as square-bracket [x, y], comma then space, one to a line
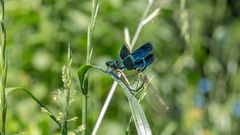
[138, 114]
[83, 78]
[139, 117]
[43, 107]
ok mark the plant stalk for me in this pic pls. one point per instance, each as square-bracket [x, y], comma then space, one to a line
[140, 25]
[84, 113]
[91, 26]
[3, 68]
[66, 77]
[104, 108]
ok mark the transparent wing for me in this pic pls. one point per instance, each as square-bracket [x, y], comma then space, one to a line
[154, 98]
[143, 51]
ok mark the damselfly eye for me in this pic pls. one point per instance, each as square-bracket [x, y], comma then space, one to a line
[108, 63]
[117, 63]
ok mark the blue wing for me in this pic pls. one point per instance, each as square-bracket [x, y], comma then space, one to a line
[124, 52]
[149, 59]
[143, 51]
[141, 63]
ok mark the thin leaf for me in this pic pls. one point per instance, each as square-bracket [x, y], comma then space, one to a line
[139, 117]
[43, 107]
[82, 76]
[151, 16]
[127, 37]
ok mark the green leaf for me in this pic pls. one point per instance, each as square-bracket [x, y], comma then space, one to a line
[83, 78]
[43, 107]
[138, 114]
[139, 117]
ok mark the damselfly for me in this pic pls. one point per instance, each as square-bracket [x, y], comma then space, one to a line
[139, 60]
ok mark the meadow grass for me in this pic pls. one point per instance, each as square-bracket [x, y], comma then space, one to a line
[67, 81]
[64, 99]
[5, 91]
[196, 46]
[91, 26]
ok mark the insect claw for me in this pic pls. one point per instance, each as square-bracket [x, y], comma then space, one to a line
[143, 68]
[107, 69]
[139, 71]
[145, 65]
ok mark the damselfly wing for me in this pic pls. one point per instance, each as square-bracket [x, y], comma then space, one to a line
[153, 96]
[139, 59]
[124, 52]
[142, 51]
[143, 63]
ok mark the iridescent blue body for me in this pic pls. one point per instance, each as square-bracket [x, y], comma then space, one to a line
[139, 59]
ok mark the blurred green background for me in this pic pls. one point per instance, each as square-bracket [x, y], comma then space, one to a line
[197, 72]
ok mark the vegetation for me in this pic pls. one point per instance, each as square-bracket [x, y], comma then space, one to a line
[49, 46]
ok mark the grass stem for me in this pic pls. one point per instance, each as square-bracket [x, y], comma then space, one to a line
[104, 108]
[84, 113]
[3, 69]
[66, 77]
[140, 25]
[91, 27]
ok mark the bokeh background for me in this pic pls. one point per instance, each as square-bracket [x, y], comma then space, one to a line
[196, 45]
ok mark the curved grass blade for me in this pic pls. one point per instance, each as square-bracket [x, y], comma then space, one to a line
[83, 78]
[43, 107]
[139, 117]
[138, 114]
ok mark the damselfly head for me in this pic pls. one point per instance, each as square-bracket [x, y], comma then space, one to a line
[110, 63]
